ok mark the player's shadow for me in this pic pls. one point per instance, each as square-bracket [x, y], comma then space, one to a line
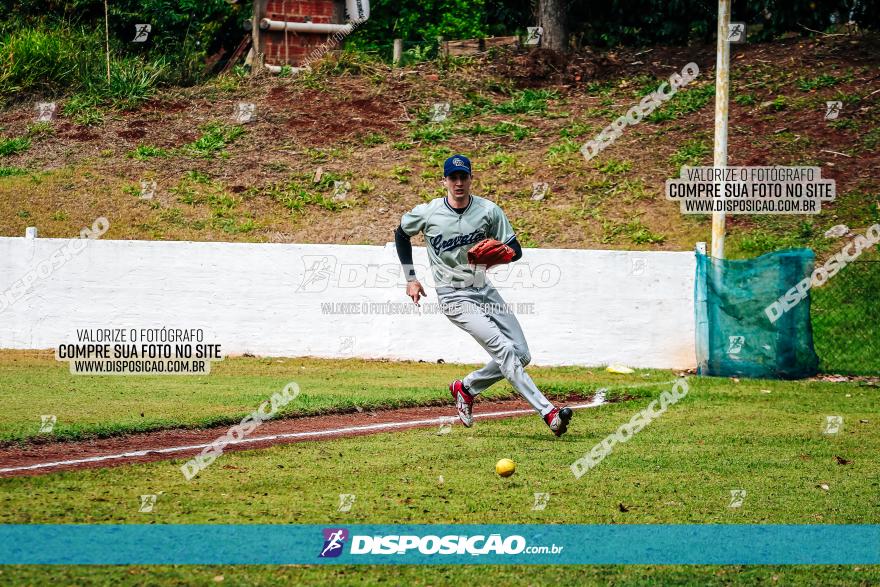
[537, 436]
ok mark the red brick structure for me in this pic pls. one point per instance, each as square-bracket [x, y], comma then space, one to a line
[287, 47]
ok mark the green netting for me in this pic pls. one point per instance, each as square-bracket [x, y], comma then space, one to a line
[735, 336]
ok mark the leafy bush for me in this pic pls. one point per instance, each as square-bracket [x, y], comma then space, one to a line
[685, 101]
[822, 81]
[79, 103]
[63, 60]
[144, 152]
[642, 235]
[516, 131]
[39, 129]
[184, 31]
[626, 22]
[89, 117]
[10, 171]
[373, 138]
[644, 22]
[615, 166]
[431, 133]
[295, 197]
[576, 129]
[527, 102]
[48, 61]
[691, 154]
[389, 19]
[132, 81]
[617, 22]
[83, 108]
[871, 140]
[745, 99]
[14, 146]
[58, 47]
[215, 138]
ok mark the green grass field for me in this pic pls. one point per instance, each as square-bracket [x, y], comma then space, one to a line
[680, 469]
[443, 575]
[106, 406]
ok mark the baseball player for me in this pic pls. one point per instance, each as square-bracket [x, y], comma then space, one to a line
[458, 228]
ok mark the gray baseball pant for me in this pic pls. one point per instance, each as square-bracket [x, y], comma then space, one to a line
[482, 313]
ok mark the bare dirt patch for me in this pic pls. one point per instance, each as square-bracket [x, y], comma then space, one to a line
[321, 118]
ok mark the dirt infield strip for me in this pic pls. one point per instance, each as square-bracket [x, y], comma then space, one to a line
[37, 459]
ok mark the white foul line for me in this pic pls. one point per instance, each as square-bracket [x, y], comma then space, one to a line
[598, 400]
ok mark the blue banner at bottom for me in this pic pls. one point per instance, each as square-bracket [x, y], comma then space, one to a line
[118, 544]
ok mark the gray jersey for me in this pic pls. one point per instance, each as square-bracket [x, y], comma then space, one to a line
[450, 235]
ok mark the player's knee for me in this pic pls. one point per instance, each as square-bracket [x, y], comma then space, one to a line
[511, 360]
[497, 344]
[510, 349]
[524, 357]
[501, 347]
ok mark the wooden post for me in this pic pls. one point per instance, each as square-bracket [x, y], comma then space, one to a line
[286, 45]
[107, 37]
[398, 51]
[257, 36]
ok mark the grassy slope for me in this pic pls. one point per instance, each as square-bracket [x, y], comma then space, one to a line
[238, 189]
[680, 469]
[34, 383]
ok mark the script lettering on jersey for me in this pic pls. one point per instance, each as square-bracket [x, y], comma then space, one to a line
[439, 245]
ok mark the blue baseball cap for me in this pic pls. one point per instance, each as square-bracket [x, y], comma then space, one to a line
[456, 163]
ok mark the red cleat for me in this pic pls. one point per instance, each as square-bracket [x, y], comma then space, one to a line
[464, 402]
[558, 420]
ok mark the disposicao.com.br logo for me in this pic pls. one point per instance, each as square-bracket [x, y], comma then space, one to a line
[334, 541]
[477, 545]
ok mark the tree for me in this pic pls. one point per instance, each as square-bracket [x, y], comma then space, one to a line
[552, 17]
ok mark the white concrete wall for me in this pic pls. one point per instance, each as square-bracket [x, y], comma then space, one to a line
[630, 307]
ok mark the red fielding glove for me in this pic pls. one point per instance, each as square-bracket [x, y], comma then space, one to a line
[490, 252]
